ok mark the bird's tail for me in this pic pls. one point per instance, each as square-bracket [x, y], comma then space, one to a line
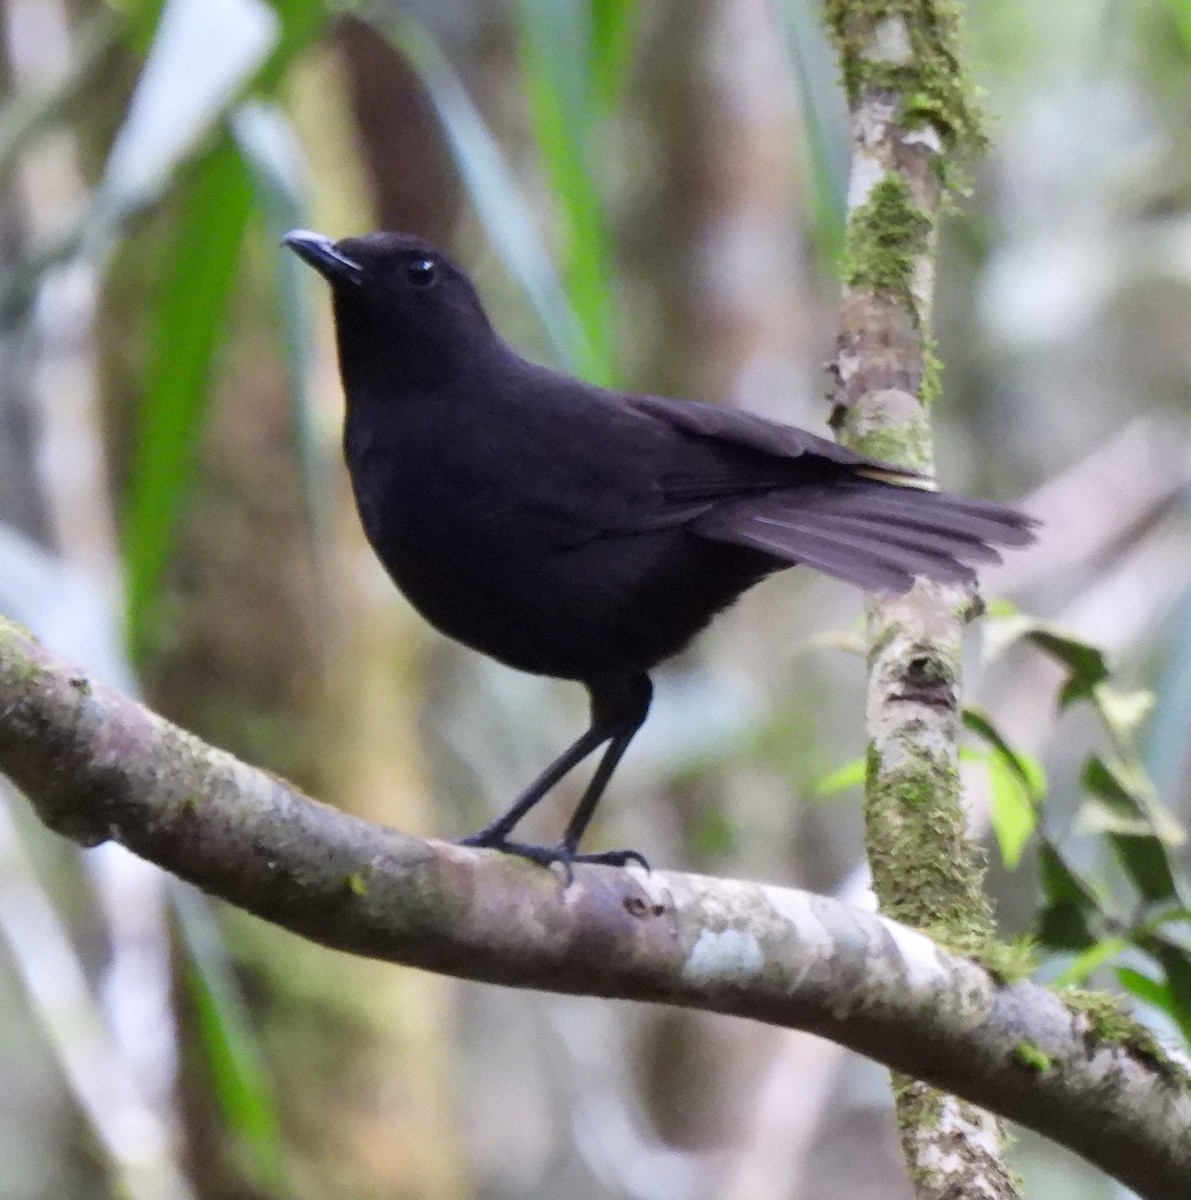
[871, 532]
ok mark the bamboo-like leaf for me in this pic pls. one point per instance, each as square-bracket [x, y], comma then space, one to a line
[1085, 663]
[189, 310]
[239, 1076]
[1017, 786]
[560, 64]
[506, 217]
[1011, 809]
[195, 288]
[1027, 768]
[850, 775]
[269, 146]
[1152, 991]
[1176, 966]
[203, 53]
[614, 26]
[1119, 809]
[824, 154]
[1091, 960]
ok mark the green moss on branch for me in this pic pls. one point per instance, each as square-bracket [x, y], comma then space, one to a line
[930, 78]
[886, 237]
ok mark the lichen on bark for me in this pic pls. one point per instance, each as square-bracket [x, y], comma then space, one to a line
[909, 47]
[926, 870]
[914, 125]
[887, 235]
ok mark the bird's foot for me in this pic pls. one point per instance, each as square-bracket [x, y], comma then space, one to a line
[613, 858]
[547, 856]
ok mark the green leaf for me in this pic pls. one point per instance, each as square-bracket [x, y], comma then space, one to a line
[1028, 770]
[506, 216]
[239, 1074]
[850, 775]
[301, 22]
[1120, 808]
[1017, 786]
[1180, 13]
[558, 56]
[1085, 663]
[614, 26]
[1152, 991]
[1176, 965]
[189, 310]
[1060, 882]
[1062, 925]
[1063, 921]
[271, 152]
[1090, 960]
[1011, 809]
[824, 127]
[202, 55]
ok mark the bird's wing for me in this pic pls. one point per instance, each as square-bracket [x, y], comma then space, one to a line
[639, 464]
[765, 439]
[802, 498]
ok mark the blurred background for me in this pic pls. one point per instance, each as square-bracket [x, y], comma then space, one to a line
[649, 194]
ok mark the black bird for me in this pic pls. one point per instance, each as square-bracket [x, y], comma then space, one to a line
[588, 534]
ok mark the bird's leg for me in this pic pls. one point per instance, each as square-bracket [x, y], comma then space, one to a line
[495, 833]
[631, 706]
[618, 708]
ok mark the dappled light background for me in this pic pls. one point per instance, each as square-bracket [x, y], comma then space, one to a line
[650, 195]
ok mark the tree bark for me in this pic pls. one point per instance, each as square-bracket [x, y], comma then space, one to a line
[98, 766]
[912, 120]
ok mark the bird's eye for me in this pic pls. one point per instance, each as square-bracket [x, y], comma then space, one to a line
[421, 271]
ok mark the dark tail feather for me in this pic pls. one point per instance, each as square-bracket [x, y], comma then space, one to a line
[864, 570]
[983, 520]
[873, 534]
[887, 530]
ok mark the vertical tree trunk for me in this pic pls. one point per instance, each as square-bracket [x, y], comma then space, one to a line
[912, 119]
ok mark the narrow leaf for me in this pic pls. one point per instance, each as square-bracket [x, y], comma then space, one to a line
[1120, 808]
[1091, 960]
[1063, 922]
[1085, 662]
[504, 213]
[203, 53]
[614, 26]
[558, 62]
[848, 776]
[1152, 991]
[1011, 809]
[1176, 965]
[271, 152]
[189, 311]
[824, 127]
[239, 1074]
[1028, 770]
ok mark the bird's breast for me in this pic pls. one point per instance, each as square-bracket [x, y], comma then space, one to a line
[447, 516]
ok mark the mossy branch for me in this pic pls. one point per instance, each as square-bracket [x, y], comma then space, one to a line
[96, 766]
[914, 123]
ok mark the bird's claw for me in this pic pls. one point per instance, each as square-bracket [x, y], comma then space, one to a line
[547, 856]
[614, 858]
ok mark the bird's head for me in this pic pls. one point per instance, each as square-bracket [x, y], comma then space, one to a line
[404, 312]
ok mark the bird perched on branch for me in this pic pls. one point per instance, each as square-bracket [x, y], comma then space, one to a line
[587, 534]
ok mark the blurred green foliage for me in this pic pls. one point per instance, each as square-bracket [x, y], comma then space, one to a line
[229, 174]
